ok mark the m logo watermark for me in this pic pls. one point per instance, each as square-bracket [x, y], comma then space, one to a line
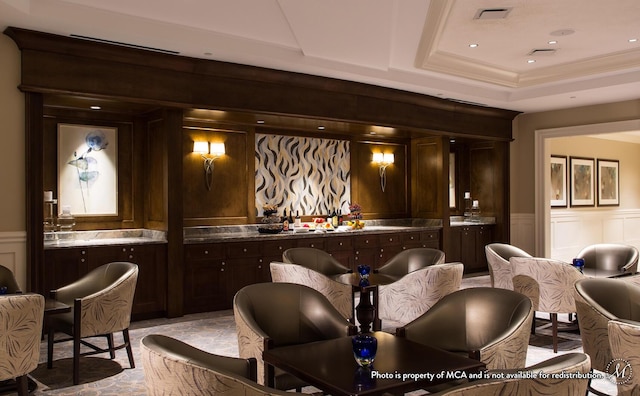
[619, 371]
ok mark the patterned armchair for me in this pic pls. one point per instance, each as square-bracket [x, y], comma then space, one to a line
[498, 255]
[339, 294]
[598, 301]
[549, 285]
[172, 367]
[413, 294]
[488, 324]
[315, 259]
[624, 339]
[411, 260]
[20, 332]
[101, 304]
[567, 363]
[269, 315]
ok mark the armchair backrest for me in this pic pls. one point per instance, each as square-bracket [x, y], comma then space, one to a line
[315, 259]
[498, 255]
[174, 367]
[624, 340]
[20, 331]
[411, 260]
[289, 313]
[9, 280]
[610, 256]
[553, 280]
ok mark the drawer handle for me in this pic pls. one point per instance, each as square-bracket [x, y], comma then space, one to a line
[131, 256]
[412, 238]
[82, 260]
[280, 247]
[124, 249]
[221, 269]
[206, 252]
[312, 245]
[244, 250]
[390, 239]
[340, 244]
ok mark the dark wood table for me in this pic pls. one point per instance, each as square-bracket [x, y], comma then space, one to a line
[367, 310]
[330, 366]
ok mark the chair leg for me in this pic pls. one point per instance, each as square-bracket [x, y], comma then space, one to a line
[76, 359]
[125, 336]
[50, 334]
[554, 331]
[112, 351]
[22, 384]
[533, 324]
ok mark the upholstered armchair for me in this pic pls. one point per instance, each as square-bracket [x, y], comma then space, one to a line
[598, 301]
[172, 367]
[8, 280]
[101, 303]
[339, 294]
[315, 259]
[624, 339]
[413, 294]
[603, 259]
[568, 363]
[498, 255]
[270, 315]
[549, 285]
[488, 324]
[411, 260]
[20, 331]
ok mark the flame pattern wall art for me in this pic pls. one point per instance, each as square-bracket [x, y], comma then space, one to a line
[309, 175]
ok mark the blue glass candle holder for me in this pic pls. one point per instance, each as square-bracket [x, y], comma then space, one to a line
[364, 349]
[3, 289]
[364, 271]
[579, 264]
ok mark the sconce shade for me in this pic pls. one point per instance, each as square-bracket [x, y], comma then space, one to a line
[383, 160]
[378, 157]
[388, 158]
[201, 147]
[217, 149]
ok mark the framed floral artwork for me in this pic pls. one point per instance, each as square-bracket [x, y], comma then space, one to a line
[608, 182]
[558, 168]
[88, 169]
[582, 172]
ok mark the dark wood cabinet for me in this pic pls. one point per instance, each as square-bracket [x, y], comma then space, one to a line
[66, 265]
[466, 245]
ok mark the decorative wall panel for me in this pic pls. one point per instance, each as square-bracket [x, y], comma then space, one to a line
[308, 175]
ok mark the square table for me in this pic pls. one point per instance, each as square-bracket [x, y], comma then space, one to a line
[330, 366]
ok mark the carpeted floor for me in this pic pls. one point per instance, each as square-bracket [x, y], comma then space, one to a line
[213, 332]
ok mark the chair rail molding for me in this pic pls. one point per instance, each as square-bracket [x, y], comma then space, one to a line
[13, 255]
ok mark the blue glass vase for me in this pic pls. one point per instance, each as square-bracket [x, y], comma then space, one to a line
[364, 349]
[579, 264]
[364, 271]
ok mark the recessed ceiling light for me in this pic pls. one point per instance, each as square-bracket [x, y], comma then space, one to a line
[572, 97]
[473, 45]
[260, 121]
[531, 61]
[321, 128]
[208, 53]
[372, 132]
[633, 40]
[95, 107]
[552, 42]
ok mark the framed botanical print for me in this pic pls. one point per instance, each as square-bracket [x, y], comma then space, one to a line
[608, 182]
[582, 171]
[88, 169]
[558, 168]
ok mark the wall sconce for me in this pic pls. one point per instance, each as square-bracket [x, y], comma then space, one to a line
[383, 160]
[216, 150]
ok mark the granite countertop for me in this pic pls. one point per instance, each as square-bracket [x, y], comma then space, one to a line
[459, 221]
[244, 232]
[56, 240]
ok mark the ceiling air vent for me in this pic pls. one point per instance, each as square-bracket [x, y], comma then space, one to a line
[492, 13]
[542, 52]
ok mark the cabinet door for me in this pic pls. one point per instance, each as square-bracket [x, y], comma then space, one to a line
[388, 246]
[63, 266]
[468, 250]
[366, 250]
[206, 278]
[151, 290]
[484, 236]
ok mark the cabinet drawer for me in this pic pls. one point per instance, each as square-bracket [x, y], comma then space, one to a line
[243, 249]
[337, 244]
[208, 251]
[411, 237]
[385, 239]
[317, 243]
[276, 248]
[365, 241]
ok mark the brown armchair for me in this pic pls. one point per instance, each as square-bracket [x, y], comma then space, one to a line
[20, 330]
[270, 315]
[411, 260]
[488, 324]
[568, 363]
[8, 280]
[172, 367]
[315, 259]
[101, 303]
[498, 255]
[599, 301]
[605, 259]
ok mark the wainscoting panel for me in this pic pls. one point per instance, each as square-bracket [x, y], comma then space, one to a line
[573, 230]
[13, 255]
